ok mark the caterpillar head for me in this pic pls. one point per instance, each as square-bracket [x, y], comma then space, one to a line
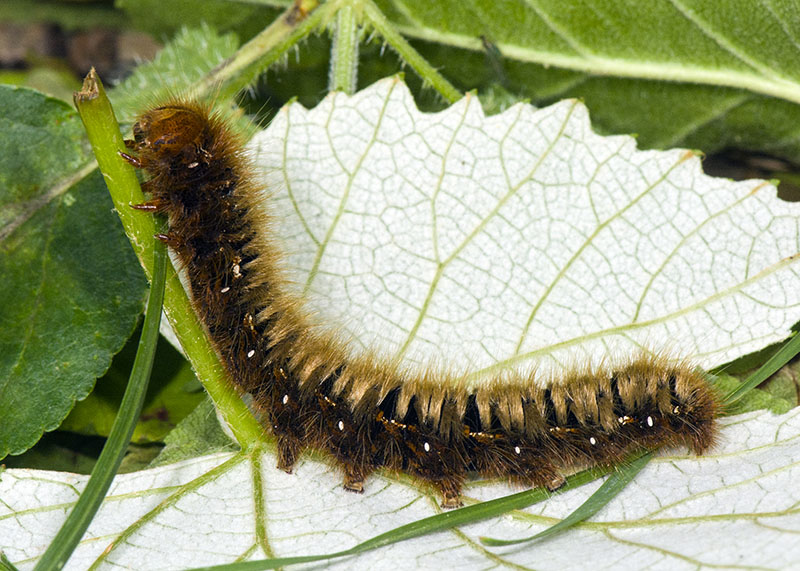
[169, 132]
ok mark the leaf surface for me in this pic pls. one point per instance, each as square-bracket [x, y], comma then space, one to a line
[522, 239]
[734, 507]
[676, 72]
[70, 286]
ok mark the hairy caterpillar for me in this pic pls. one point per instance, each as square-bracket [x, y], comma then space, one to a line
[367, 413]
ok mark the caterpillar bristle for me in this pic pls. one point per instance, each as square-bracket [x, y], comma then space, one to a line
[367, 412]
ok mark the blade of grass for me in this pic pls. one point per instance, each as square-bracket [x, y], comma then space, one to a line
[76, 524]
[425, 526]
[5, 564]
[778, 360]
[616, 482]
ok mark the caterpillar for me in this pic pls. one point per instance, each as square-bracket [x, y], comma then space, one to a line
[368, 413]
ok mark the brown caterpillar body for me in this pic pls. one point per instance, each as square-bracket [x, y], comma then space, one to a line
[369, 414]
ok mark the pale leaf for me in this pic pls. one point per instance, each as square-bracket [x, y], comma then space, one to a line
[480, 244]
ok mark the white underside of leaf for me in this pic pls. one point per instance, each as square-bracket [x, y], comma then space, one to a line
[550, 243]
[523, 239]
[736, 507]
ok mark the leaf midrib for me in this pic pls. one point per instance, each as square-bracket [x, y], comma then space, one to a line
[599, 65]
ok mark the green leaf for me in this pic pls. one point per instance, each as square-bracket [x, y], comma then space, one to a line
[780, 358]
[685, 73]
[59, 451]
[197, 434]
[187, 58]
[164, 17]
[756, 399]
[173, 392]
[71, 287]
[30, 122]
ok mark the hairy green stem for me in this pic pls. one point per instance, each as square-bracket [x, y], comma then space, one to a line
[412, 57]
[344, 51]
[253, 58]
[106, 140]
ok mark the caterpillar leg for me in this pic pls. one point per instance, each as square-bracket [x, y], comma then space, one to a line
[547, 477]
[284, 411]
[172, 240]
[131, 159]
[423, 454]
[443, 468]
[154, 206]
[288, 451]
[556, 482]
[354, 477]
[529, 467]
[450, 490]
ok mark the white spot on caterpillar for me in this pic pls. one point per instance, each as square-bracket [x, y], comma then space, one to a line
[592, 440]
[650, 421]
[427, 447]
[341, 425]
[285, 399]
[193, 165]
[237, 271]
[250, 353]
[517, 450]
[676, 410]
[226, 289]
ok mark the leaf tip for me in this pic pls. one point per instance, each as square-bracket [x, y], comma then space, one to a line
[763, 184]
[690, 154]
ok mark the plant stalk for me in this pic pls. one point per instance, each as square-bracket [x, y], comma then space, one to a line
[106, 140]
[344, 51]
[374, 16]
